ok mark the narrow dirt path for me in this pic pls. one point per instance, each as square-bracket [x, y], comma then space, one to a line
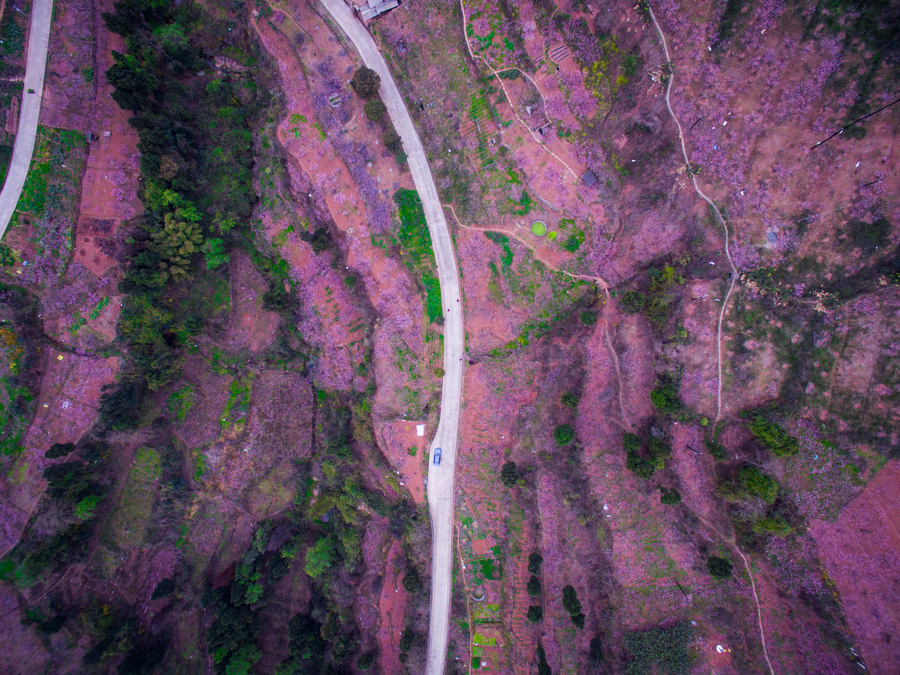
[730, 541]
[615, 357]
[719, 218]
[600, 281]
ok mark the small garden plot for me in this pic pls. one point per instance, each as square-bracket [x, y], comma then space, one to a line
[485, 613]
[49, 196]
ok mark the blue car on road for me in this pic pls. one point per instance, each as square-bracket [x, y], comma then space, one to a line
[437, 456]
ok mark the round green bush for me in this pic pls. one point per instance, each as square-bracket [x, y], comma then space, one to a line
[570, 601]
[632, 302]
[720, 568]
[759, 484]
[509, 474]
[572, 244]
[535, 613]
[569, 400]
[589, 318]
[392, 140]
[375, 109]
[564, 434]
[670, 497]
[639, 466]
[717, 450]
[366, 82]
[665, 398]
[412, 582]
[58, 450]
[631, 442]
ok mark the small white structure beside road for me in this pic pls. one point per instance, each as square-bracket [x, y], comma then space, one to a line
[375, 8]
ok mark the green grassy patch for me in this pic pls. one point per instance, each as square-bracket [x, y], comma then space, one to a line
[132, 516]
[413, 236]
[13, 35]
[5, 158]
[522, 205]
[34, 193]
[180, 402]
[99, 308]
[201, 466]
[415, 242]
[238, 402]
[433, 298]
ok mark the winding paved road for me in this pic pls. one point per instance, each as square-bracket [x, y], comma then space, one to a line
[29, 111]
[440, 478]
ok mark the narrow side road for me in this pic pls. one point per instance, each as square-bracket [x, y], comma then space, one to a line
[440, 478]
[30, 110]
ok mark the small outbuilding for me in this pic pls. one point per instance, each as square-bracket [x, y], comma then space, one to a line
[375, 8]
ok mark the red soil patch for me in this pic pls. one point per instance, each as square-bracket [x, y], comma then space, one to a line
[201, 423]
[480, 546]
[492, 391]
[12, 118]
[699, 317]
[392, 607]
[861, 551]
[631, 338]
[715, 652]
[489, 323]
[139, 574]
[694, 468]
[398, 437]
[69, 397]
[254, 466]
[314, 165]
[524, 634]
[110, 179]
[250, 325]
[291, 596]
[20, 649]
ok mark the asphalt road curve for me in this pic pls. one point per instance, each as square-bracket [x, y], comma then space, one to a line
[29, 111]
[440, 478]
